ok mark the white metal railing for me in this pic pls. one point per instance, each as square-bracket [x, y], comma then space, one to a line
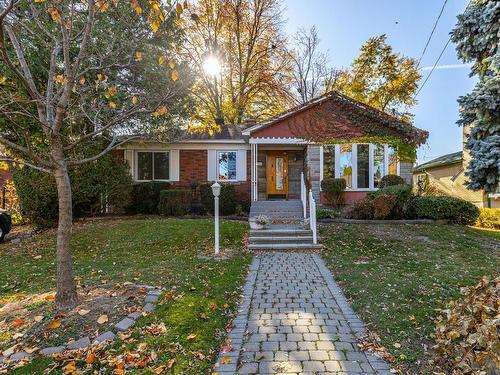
[312, 217]
[303, 194]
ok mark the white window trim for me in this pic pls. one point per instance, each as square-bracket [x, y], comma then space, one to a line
[355, 165]
[217, 165]
[136, 167]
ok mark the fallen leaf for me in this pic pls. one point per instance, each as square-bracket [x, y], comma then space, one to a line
[30, 350]
[227, 349]
[38, 318]
[91, 358]
[225, 360]
[56, 323]
[49, 297]
[102, 319]
[192, 336]
[397, 345]
[70, 368]
[18, 322]
[83, 312]
[171, 363]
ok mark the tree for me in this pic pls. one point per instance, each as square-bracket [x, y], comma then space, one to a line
[69, 75]
[244, 36]
[381, 78]
[311, 73]
[477, 36]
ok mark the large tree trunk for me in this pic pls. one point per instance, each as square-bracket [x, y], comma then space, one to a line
[66, 296]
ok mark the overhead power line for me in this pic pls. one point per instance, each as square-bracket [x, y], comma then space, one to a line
[432, 33]
[433, 67]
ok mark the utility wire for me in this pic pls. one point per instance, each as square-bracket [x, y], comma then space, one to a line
[433, 67]
[432, 33]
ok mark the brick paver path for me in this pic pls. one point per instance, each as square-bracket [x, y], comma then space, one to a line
[295, 320]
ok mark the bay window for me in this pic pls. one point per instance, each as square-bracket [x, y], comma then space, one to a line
[346, 164]
[153, 165]
[378, 164]
[361, 165]
[226, 165]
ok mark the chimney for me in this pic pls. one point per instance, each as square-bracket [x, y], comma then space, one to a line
[250, 122]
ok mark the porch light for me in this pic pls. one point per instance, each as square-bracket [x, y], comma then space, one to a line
[212, 66]
[216, 192]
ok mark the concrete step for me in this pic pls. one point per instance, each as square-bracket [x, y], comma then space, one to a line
[297, 246]
[280, 239]
[280, 232]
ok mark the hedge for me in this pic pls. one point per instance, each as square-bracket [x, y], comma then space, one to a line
[402, 193]
[175, 202]
[455, 210]
[227, 199]
[489, 218]
[145, 197]
[391, 180]
[95, 184]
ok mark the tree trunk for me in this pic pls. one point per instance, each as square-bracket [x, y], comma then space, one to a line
[66, 296]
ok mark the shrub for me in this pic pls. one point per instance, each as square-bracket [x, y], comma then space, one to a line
[383, 205]
[467, 332]
[145, 197]
[94, 185]
[227, 199]
[175, 202]
[333, 189]
[326, 213]
[391, 180]
[403, 195]
[362, 209]
[453, 209]
[489, 218]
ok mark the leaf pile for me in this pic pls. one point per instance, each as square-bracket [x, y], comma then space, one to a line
[467, 335]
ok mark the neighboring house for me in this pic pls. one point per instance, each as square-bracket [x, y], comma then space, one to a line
[446, 175]
[266, 160]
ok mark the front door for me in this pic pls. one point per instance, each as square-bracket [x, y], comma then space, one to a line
[277, 173]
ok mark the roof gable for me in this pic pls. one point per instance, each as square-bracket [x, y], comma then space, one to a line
[336, 116]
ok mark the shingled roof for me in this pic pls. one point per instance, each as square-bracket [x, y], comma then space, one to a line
[441, 161]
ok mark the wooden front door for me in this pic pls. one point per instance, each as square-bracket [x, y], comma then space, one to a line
[277, 173]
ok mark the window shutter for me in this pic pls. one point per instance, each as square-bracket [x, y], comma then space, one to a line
[212, 165]
[174, 165]
[129, 158]
[241, 165]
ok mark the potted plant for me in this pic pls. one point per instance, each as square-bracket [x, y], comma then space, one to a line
[259, 222]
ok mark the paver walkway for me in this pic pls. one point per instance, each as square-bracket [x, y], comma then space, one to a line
[295, 320]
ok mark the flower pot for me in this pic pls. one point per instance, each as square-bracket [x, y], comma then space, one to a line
[255, 225]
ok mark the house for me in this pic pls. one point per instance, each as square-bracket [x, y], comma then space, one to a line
[446, 175]
[272, 160]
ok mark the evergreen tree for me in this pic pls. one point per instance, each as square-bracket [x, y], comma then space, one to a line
[476, 36]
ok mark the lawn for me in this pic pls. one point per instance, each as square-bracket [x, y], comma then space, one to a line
[397, 276]
[200, 297]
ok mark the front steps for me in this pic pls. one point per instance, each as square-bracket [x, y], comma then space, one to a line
[288, 230]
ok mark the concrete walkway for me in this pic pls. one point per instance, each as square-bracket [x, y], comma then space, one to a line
[294, 319]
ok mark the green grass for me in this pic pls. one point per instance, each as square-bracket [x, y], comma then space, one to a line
[160, 252]
[397, 276]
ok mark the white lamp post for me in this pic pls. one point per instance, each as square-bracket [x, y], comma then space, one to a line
[216, 192]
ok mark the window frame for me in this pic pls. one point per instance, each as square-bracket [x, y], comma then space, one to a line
[152, 165]
[354, 162]
[217, 174]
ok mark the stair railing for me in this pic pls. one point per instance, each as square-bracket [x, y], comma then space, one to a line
[312, 217]
[303, 194]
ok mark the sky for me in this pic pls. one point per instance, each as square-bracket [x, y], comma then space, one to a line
[344, 25]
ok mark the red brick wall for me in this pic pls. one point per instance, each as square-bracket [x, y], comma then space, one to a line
[4, 176]
[350, 197]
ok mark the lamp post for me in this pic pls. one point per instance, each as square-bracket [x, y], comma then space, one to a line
[216, 192]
